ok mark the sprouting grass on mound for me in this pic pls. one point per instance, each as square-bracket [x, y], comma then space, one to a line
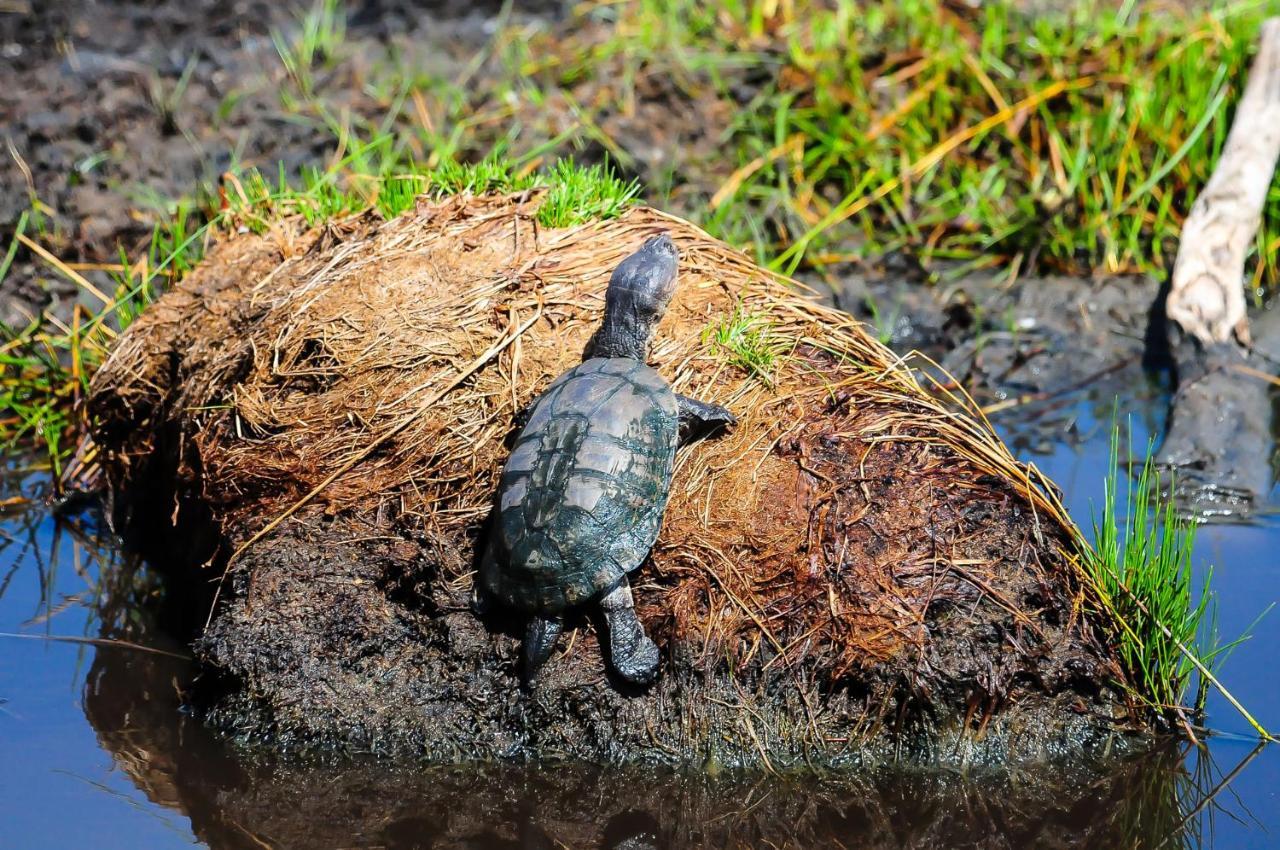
[573, 193]
[748, 341]
[47, 364]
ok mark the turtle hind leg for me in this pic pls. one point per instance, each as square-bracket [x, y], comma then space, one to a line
[539, 641]
[631, 652]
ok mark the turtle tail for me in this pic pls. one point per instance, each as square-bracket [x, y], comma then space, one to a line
[539, 641]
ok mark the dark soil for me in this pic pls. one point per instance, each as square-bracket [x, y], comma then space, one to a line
[102, 139]
[239, 800]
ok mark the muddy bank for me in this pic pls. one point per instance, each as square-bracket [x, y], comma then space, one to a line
[114, 113]
[239, 800]
[1032, 352]
[1027, 350]
[1219, 452]
[859, 572]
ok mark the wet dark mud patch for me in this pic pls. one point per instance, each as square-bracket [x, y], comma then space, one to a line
[1038, 353]
[858, 573]
[115, 113]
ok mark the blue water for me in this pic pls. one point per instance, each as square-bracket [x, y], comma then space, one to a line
[94, 753]
[58, 786]
[1245, 561]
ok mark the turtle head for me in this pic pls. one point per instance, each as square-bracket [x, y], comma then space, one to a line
[639, 291]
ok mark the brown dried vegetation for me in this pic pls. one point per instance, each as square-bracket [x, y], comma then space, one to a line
[858, 543]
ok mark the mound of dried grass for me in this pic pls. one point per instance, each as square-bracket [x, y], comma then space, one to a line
[853, 525]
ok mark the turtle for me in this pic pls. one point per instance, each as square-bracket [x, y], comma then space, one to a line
[581, 498]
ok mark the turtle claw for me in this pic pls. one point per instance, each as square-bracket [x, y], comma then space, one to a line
[539, 641]
[481, 604]
[641, 666]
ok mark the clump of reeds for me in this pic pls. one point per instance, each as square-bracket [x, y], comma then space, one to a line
[1163, 621]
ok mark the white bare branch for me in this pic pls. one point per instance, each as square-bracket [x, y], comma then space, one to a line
[1206, 294]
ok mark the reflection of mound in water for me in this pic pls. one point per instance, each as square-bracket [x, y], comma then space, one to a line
[237, 799]
[255, 803]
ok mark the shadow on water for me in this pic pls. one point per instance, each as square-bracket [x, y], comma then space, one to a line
[158, 767]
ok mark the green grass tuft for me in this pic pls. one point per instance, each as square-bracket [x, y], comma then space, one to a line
[398, 193]
[323, 29]
[1141, 566]
[578, 194]
[749, 342]
[494, 173]
[322, 200]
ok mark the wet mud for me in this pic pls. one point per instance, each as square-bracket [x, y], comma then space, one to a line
[112, 113]
[1032, 351]
[249, 799]
[1219, 455]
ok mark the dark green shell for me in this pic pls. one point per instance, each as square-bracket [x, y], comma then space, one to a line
[581, 499]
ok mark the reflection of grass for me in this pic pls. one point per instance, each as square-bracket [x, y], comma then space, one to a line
[1141, 566]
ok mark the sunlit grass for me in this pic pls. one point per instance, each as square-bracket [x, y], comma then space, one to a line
[578, 194]
[47, 364]
[748, 341]
[1140, 564]
[992, 138]
[322, 31]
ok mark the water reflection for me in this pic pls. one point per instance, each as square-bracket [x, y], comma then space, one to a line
[247, 802]
[70, 583]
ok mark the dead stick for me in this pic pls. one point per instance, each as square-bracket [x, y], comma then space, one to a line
[1206, 292]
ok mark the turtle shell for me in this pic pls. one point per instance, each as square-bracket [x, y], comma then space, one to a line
[581, 499]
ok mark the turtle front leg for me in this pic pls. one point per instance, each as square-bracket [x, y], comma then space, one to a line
[700, 418]
[539, 641]
[633, 655]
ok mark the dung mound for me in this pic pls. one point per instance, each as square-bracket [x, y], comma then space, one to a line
[311, 425]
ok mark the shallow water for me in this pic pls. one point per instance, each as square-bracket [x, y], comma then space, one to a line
[95, 752]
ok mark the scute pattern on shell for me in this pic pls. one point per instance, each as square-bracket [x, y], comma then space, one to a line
[582, 495]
